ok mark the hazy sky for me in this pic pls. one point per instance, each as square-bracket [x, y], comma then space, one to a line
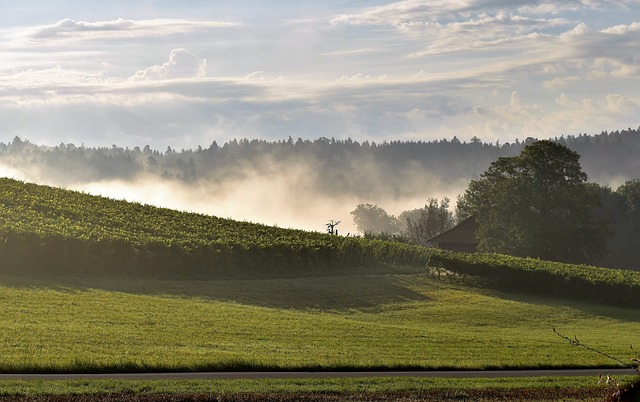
[185, 73]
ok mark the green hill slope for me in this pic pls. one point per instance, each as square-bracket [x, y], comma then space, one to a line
[44, 229]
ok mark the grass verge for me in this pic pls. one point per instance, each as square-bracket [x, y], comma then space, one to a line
[287, 386]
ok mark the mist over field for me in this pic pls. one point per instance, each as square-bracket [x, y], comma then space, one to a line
[302, 184]
[291, 195]
[280, 201]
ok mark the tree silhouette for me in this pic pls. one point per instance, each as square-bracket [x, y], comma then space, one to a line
[536, 204]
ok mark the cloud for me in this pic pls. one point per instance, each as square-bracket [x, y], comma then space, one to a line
[491, 27]
[139, 112]
[460, 26]
[352, 52]
[560, 82]
[181, 64]
[68, 29]
[359, 78]
[603, 67]
[623, 29]
[579, 30]
[421, 14]
[408, 13]
[255, 76]
[516, 117]
[406, 69]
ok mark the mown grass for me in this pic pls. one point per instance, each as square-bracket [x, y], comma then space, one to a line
[322, 323]
[337, 385]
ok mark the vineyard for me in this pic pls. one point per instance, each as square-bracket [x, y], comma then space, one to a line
[56, 231]
[45, 229]
[529, 275]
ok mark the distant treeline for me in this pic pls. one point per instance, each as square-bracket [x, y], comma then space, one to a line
[366, 169]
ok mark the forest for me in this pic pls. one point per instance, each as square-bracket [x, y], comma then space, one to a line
[365, 169]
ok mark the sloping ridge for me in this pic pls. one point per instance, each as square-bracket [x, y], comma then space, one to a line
[46, 229]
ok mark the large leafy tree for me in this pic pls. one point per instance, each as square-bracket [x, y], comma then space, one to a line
[370, 218]
[430, 221]
[536, 204]
[621, 209]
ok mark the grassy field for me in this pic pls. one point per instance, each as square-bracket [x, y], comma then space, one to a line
[364, 321]
[543, 388]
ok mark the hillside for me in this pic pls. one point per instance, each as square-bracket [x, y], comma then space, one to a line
[46, 230]
[92, 284]
[50, 230]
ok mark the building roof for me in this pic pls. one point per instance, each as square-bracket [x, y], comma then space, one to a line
[464, 232]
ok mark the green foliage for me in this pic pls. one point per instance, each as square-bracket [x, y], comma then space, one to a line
[622, 212]
[395, 237]
[433, 220]
[416, 226]
[614, 286]
[44, 229]
[536, 204]
[370, 218]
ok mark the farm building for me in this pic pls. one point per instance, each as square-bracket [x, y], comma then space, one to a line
[460, 238]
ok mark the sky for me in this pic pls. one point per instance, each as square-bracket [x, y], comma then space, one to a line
[187, 73]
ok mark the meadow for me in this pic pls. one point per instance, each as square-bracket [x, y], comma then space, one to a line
[360, 322]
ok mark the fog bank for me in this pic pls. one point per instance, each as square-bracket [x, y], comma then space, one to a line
[301, 184]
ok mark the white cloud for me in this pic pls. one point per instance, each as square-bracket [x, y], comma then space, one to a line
[181, 64]
[621, 104]
[67, 26]
[516, 118]
[425, 15]
[603, 67]
[462, 26]
[563, 100]
[255, 76]
[403, 14]
[352, 52]
[68, 29]
[559, 82]
[623, 29]
[579, 30]
[359, 77]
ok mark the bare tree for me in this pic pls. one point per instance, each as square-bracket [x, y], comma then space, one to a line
[331, 227]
